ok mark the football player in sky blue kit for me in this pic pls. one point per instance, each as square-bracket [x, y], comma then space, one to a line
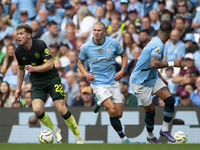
[147, 81]
[100, 52]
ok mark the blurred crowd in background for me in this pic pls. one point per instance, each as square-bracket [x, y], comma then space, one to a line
[65, 25]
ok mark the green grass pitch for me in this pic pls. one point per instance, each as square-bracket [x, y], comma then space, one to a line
[6, 146]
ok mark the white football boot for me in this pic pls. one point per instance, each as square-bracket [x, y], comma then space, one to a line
[79, 140]
[57, 134]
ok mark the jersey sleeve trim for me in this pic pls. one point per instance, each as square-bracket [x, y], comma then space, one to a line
[155, 55]
[81, 59]
[146, 69]
[121, 53]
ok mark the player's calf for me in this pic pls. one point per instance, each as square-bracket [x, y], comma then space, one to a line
[169, 108]
[168, 114]
[149, 120]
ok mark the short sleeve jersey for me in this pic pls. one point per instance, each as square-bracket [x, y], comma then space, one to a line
[101, 59]
[143, 74]
[36, 56]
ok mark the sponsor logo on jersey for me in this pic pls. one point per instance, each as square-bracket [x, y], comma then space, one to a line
[33, 64]
[47, 52]
[37, 55]
[100, 51]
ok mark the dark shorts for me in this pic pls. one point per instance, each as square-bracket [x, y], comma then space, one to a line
[54, 89]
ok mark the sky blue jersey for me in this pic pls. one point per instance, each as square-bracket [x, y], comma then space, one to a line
[101, 59]
[143, 74]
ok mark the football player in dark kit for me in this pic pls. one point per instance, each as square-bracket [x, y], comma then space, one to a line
[34, 56]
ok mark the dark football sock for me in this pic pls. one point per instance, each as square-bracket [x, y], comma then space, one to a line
[116, 124]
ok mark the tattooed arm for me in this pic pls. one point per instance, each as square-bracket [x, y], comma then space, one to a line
[156, 63]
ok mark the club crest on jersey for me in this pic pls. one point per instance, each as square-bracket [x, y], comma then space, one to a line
[23, 58]
[37, 55]
[100, 51]
[158, 49]
[108, 50]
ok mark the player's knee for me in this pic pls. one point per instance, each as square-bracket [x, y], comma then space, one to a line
[112, 112]
[38, 111]
[62, 110]
[119, 115]
[169, 104]
[61, 107]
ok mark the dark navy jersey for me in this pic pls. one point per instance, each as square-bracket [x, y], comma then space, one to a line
[36, 56]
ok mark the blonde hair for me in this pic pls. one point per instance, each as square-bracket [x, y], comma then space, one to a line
[100, 23]
[6, 20]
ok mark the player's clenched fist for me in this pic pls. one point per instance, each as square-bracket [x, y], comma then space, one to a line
[178, 63]
[89, 76]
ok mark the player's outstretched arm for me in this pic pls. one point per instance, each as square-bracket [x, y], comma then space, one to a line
[156, 63]
[20, 78]
[81, 67]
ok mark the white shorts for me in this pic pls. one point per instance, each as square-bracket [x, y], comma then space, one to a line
[144, 94]
[111, 91]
